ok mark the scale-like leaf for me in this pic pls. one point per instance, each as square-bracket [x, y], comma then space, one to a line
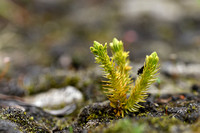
[118, 87]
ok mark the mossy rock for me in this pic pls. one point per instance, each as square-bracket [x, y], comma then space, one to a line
[23, 122]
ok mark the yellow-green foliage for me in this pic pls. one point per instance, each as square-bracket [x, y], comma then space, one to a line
[123, 94]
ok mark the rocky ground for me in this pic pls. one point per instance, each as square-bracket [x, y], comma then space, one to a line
[85, 109]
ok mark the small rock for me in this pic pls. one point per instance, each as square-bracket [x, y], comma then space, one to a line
[56, 97]
[8, 127]
[22, 121]
[13, 105]
[11, 88]
[65, 61]
[181, 69]
[64, 111]
[195, 88]
[133, 8]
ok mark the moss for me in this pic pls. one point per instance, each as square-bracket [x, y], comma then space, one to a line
[143, 114]
[56, 107]
[95, 114]
[164, 123]
[101, 116]
[196, 127]
[92, 116]
[24, 122]
[63, 123]
[125, 126]
[145, 124]
[48, 81]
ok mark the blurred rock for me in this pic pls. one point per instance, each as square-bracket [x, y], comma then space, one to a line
[64, 111]
[161, 10]
[65, 61]
[195, 88]
[8, 127]
[22, 121]
[56, 97]
[15, 109]
[11, 88]
[181, 69]
[163, 49]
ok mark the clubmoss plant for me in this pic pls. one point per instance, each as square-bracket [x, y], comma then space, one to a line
[119, 88]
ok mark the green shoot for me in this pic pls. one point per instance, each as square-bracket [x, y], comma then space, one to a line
[119, 88]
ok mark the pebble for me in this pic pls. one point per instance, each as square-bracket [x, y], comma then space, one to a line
[181, 69]
[56, 97]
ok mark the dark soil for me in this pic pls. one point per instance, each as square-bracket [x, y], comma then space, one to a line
[183, 107]
[181, 110]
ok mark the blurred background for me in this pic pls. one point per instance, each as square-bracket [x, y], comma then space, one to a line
[48, 40]
[60, 32]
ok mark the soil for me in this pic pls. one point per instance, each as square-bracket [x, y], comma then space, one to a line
[181, 110]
